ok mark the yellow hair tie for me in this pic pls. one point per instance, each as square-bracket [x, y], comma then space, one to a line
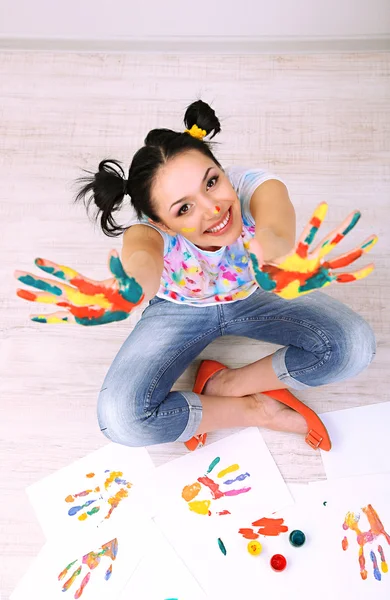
[196, 132]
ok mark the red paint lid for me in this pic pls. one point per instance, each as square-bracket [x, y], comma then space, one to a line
[278, 562]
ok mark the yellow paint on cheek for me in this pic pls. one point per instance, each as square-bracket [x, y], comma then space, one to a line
[228, 470]
[217, 210]
[187, 229]
[201, 507]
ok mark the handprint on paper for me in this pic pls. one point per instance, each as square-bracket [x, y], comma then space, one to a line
[91, 561]
[86, 302]
[267, 527]
[368, 537]
[105, 496]
[301, 271]
[203, 483]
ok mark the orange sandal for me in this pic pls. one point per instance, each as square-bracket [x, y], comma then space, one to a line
[206, 370]
[317, 436]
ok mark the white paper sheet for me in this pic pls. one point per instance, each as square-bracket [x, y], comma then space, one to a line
[104, 573]
[360, 441]
[255, 487]
[104, 486]
[242, 468]
[240, 574]
[348, 506]
[162, 575]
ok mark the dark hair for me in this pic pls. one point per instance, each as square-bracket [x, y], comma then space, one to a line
[108, 186]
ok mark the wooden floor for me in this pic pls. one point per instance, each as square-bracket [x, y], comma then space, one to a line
[322, 122]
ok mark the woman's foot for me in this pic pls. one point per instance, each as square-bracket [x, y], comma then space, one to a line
[275, 415]
[272, 414]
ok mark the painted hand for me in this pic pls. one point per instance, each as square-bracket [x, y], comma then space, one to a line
[85, 301]
[109, 495]
[368, 537]
[91, 561]
[301, 271]
[205, 483]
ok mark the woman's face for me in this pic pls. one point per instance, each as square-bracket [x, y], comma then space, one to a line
[192, 195]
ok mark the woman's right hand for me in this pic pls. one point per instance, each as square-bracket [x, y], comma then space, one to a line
[85, 301]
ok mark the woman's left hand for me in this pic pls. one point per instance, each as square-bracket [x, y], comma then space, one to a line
[301, 272]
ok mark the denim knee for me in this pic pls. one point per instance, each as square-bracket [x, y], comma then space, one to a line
[352, 347]
[117, 420]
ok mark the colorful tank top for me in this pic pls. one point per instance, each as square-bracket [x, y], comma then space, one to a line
[201, 277]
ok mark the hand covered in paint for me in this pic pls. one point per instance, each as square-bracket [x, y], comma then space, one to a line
[91, 560]
[368, 538]
[86, 302]
[210, 483]
[87, 503]
[301, 272]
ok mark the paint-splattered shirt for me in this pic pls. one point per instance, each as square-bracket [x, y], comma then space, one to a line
[201, 277]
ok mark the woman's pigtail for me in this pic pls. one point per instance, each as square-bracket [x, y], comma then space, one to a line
[106, 189]
[203, 116]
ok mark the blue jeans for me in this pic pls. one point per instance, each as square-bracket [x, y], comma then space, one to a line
[323, 342]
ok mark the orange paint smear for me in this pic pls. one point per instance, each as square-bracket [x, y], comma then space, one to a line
[302, 249]
[248, 534]
[26, 295]
[343, 261]
[111, 294]
[284, 278]
[271, 527]
[337, 238]
[346, 278]
[344, 543]
[316, 222]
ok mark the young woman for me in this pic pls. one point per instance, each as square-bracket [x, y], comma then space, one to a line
[213, 251]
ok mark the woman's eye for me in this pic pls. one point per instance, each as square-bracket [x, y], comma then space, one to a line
[215, 177]
[182, 213]
[212, 178]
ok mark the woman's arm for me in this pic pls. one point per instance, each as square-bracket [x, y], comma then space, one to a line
[274, 216]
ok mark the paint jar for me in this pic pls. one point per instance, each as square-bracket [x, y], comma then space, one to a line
[297, 538]
[278, 562]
